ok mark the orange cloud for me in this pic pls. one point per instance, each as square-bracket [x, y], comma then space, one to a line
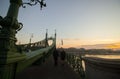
[69, 43]
[113, 46]
[78, 43]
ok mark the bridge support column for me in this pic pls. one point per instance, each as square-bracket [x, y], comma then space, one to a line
[9, 56]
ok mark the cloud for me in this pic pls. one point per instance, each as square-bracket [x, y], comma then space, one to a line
[95, 44]
[69, 42]
[114, 46]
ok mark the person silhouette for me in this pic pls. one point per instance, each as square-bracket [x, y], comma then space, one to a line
[62, 56]
[55, 57]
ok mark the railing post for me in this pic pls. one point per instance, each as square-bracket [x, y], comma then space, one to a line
[8, 50]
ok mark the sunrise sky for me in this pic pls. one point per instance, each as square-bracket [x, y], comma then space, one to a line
[79, 23]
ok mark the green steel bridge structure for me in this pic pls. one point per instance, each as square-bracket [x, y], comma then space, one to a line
[14, 59]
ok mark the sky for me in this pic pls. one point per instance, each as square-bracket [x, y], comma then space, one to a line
[79, 23]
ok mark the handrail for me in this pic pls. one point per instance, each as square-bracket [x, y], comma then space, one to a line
[35, 55]
[11, 59]
[75, 61]
[32, 46]
[101, 67]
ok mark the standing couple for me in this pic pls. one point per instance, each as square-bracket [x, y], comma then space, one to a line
[59, 53]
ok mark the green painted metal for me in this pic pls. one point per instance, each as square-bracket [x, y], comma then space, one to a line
[8, 52]
[75, 62]
[13, 60]
[33, 56]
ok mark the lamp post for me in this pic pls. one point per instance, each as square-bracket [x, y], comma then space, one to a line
[9, 26]
[46, 36]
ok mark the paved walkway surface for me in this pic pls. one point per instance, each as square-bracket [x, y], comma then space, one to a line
[48, 71]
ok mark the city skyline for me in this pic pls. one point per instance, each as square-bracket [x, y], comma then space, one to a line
[78, 22]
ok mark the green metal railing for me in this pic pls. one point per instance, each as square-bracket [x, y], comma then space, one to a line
[31, 46]
[38, 55]
[14, 58]
[75, 61]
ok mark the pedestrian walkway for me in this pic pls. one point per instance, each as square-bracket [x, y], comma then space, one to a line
[48, 71]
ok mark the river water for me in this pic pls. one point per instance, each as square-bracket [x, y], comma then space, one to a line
[105, 56]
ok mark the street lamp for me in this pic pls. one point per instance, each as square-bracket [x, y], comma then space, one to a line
[34, 2]
[9, 26]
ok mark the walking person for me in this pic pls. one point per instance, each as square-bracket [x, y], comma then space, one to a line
[62, 56]
[55, 57]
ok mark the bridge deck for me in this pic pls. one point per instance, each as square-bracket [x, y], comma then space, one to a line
[48, 71]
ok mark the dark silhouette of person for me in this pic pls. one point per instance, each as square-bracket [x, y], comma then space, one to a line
[62, 56]
[55, 57]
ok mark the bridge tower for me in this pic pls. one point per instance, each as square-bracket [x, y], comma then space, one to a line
[55, 37]
[46, 38]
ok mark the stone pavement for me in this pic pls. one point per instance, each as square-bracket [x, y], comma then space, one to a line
[48, 71]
